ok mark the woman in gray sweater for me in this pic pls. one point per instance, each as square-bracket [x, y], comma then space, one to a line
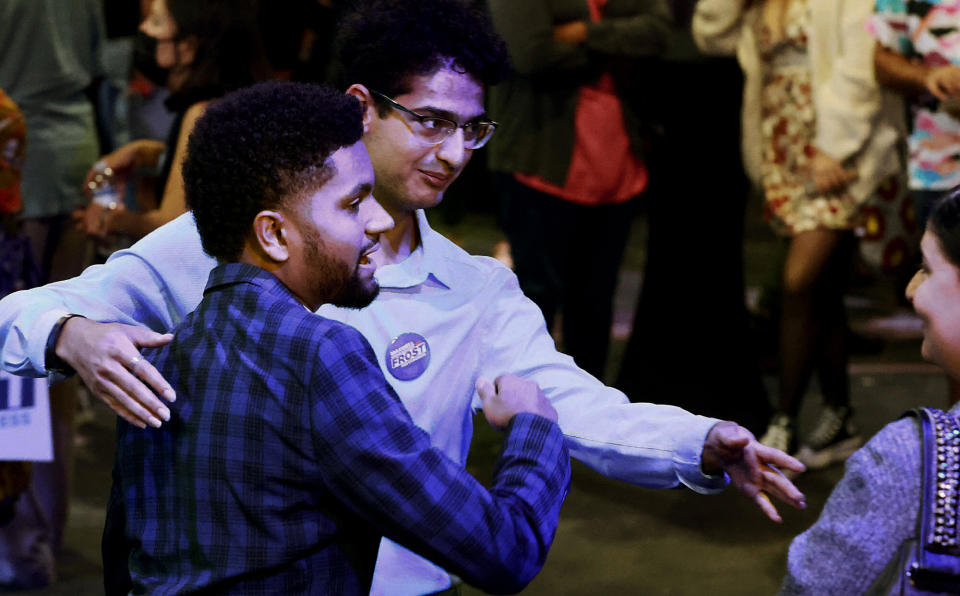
[876, 504]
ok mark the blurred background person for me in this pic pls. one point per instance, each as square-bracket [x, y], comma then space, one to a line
[875, 507]
[207, 48]
[51, 57]
[820, 140]
[14, 272]
[695, 208]
[917, 56]
[569, 157]
[13, 137]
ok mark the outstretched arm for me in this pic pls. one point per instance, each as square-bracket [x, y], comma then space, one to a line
[150, 286]
[650, 445]
[753, 468]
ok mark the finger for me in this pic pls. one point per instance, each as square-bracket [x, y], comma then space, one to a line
[499, 382]
[145, 338]
[122, 412]
[485, 389]
[124, 405]
[153, 379]
[752, 464]
[777, 484]
[734, 438]
[779, 458]
[763, 501]
[136, 397]
[937, 90]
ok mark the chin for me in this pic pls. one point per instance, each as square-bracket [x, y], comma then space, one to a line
[426, 198]
[358, 295]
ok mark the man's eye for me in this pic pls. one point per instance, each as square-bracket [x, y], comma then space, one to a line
[434, 124]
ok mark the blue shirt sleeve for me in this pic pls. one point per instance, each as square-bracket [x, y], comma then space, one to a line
[381, 465]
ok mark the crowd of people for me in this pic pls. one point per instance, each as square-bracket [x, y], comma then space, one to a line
[262, 448]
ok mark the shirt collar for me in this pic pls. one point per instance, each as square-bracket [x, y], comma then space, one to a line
[425, 265]
[228, 274]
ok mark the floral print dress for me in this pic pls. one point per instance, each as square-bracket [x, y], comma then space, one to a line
[789, 125]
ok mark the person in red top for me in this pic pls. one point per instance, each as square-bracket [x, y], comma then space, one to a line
[568, 157]
[13, 135]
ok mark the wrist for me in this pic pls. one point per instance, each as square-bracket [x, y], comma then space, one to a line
[53, 357]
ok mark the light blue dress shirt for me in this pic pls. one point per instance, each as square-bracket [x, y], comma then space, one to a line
[469, 311]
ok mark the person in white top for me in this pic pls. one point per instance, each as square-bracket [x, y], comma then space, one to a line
[443, 318]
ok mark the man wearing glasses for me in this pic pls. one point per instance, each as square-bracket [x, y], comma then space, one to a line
[443, 318]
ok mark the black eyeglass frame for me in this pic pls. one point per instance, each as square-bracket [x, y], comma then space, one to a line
[420, 118]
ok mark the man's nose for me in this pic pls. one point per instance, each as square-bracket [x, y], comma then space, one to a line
[915, 282]
[453, 151]
[377, 218]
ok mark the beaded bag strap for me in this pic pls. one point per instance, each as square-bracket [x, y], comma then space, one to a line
[941, 482]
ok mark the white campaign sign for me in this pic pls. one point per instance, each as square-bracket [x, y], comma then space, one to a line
[24, 419]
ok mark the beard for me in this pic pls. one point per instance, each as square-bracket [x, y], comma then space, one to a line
[334, 279]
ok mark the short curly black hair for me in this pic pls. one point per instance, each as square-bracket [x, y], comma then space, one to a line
[259, 148]
[381, 44]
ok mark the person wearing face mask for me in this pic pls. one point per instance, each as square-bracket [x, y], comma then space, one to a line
[876, 505]
[201, 50]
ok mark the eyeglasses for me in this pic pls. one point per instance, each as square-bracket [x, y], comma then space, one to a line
[433, 131]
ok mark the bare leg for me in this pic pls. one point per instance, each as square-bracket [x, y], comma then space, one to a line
[812, 314]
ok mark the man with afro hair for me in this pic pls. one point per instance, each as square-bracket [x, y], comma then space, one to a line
[289, 455]
[443, 319]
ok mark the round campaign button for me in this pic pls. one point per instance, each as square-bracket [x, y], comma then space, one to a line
[408, 356]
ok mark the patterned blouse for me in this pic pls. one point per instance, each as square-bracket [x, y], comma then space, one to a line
[928, 30]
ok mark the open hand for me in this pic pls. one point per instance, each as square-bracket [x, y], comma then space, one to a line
[754, 469]
[107, 358]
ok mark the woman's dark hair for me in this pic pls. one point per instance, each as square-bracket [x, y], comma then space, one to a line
[383, 43]
[229, 51]
[260, 148]
[944, 222]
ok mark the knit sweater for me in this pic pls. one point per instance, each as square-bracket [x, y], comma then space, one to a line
[869, 514]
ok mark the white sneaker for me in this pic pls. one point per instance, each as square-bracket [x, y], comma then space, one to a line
[780, 433]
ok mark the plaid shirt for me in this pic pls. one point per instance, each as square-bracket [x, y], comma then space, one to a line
[288, 455]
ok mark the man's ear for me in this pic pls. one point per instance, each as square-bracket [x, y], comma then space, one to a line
[271, 231]
[366, 100]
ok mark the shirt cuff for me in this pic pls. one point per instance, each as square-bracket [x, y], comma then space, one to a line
[38, 334]
[688, 455]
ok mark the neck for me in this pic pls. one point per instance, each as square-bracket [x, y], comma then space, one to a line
[252, 256]
[397, 243]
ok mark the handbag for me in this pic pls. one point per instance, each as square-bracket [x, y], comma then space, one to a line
[929, 562]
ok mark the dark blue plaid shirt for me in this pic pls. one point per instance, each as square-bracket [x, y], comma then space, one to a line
[288, 455]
